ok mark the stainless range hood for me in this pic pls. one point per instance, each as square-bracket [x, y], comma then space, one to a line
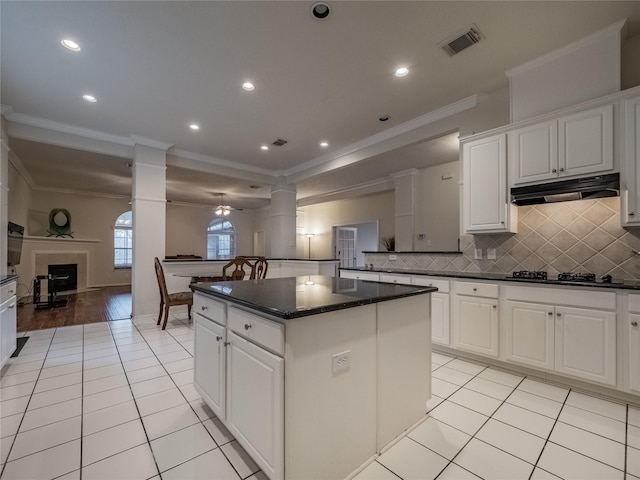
[578, 189]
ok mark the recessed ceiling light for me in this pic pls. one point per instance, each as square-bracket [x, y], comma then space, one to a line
[194, 126]
[70, 45]
[402, 72]
[324, 144]
[264, 147]
[248, 86]
[89, 98]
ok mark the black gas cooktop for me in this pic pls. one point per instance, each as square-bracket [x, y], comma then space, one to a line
[571, 277]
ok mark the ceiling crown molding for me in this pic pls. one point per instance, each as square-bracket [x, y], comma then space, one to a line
[184, 158]
[367, 188]
[336, 159]
[150, 142]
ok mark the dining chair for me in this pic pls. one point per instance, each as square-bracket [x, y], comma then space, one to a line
[238, 273]
[260, 267]
[170, 299]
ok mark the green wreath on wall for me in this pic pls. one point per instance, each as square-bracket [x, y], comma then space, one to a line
[60, 223]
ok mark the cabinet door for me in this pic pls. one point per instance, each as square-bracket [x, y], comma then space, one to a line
[630, 181]
[585, 142]
[533, 153]
[440, 318]
[530, 334]
[8, 317]
[255, 403]
[634, 352]
[586, 344]
[475, 325]
[209, 363]
[485, 185]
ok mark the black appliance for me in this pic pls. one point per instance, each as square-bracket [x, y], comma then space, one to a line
[599, 186]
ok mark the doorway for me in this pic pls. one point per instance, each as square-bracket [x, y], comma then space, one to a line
[349, 241]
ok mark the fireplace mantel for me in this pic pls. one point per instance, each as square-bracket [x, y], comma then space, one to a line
[31, 238]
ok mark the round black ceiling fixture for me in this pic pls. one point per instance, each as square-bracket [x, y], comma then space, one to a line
[320, 10]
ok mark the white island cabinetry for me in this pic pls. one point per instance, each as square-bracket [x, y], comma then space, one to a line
[338, 384]
[8, 319]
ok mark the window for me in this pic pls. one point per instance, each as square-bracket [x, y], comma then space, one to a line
[123, 241]
[221, 243]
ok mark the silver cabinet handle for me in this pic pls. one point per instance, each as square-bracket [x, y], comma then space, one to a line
[10, 292]
[634, 324]
[475, 289]
[204, 307]
[13, 305]
[549, 313]
[562, 169]
[554, 171]
[631, 214]
[495, 306]
[218, 338]
[247, 326]
[558, 314]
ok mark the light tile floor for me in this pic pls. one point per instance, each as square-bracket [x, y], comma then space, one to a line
[115, 400]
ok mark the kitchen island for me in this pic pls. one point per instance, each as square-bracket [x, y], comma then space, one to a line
[313, 375]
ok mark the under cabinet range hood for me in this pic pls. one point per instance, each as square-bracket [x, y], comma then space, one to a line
[576, 189]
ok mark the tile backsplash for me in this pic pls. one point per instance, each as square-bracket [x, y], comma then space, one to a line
[578, 236]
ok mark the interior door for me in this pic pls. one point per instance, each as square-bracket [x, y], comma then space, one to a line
[346, 246]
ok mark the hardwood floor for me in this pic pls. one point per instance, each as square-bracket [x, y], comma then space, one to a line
[99, 305]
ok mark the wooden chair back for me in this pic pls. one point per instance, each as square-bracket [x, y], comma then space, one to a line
[239, 264]
[162, 284]
[260, 267]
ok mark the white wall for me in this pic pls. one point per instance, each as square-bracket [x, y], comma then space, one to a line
[438, 207]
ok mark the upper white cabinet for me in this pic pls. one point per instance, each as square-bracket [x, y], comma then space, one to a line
[630, 204]
[486, 208]
[572, 145]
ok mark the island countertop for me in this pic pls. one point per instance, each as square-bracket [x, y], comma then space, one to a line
[294, 297]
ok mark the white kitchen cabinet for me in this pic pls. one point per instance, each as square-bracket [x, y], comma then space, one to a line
[440, 308]
[8, 319]
[210, 363]
[530, 334]
[255, 403]
[630, 181]
[475, 318]
[359, 275]
[631, 330]
[572, 332]
[486, 208]
[393, 278]
[578, 144]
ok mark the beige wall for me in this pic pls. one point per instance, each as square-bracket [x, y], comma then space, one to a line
[187, 229]
[19, 197]
[92, 217]
[320, 219]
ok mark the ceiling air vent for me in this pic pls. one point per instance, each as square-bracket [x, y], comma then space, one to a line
[279, 142]
[460, 41]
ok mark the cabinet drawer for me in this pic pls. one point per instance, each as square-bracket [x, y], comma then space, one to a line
[564, 296]
[441, 285]
[209, 308]
[634, 303]
[263, 332]
[477, 289]
[402, 279]
[359, 275]
[7, 291]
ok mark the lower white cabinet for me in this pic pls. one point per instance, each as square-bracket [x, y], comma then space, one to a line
[255, 403]
[634, 352]
[8, 319]
[210, 363]
[475, 318]
[440, 309]
[586, 344]
[567, 339]
[358, 275]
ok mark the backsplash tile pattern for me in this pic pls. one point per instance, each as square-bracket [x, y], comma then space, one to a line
[578, 236]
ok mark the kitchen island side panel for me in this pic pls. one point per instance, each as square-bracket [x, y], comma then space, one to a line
[330, 416]
[404, 365]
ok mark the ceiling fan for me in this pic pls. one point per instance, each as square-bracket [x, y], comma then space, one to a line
[223, 210]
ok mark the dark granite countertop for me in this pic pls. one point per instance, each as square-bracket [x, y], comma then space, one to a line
[502, 277]
[201, 260]
[7, 278]
[294, 297]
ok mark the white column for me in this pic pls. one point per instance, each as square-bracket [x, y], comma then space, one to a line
[405, 208]
[283, 221]
[149, 217]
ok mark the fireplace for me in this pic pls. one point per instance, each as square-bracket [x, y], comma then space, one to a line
[70, 270]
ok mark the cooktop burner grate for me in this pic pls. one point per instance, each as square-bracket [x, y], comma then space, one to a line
[577, 277]
[529, 274]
